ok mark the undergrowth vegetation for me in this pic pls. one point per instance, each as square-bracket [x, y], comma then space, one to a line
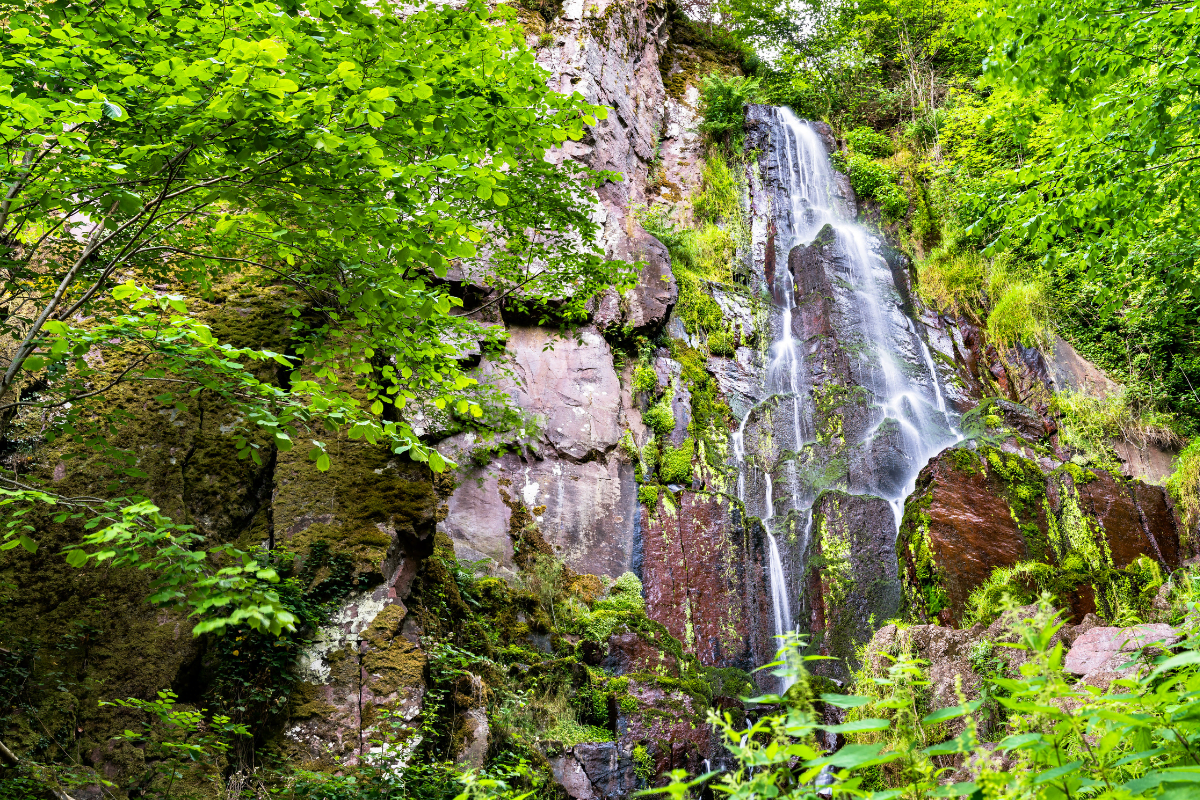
[1089, 424]
[1029, 731]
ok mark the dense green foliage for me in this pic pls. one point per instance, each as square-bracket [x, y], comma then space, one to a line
[340, 155]
[1059, 739]
[1057, 138]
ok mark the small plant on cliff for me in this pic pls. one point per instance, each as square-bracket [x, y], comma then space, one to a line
[1185, 484]
[659, 417]
[1089, 424]
[718, 197]
[180, 743]
[723, 103]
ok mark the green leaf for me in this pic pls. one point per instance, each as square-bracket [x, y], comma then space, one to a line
[323, 462]
[845, 700]
[1184, 659]
[1057, 772]
[76, 558]
[854, 755]
[857, 725]
[943, 714]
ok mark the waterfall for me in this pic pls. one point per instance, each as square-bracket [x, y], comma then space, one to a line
[907, 417]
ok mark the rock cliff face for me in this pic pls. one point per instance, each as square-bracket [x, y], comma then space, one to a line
[830, 395]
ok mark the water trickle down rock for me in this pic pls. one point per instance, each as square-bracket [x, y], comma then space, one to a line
[854, 403]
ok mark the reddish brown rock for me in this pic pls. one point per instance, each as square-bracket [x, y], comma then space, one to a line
[974, 511]
[629, 652]
[958, 526]
[1136, 518]
[704, 579]
[669, 723]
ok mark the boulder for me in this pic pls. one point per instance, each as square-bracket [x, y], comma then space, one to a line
[568, 384]
[471, 750]
[975, 510]
[595, 771]
[1108, 649]
[669, 723]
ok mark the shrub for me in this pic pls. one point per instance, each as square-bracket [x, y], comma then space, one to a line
[628, 587]
[648, 495]
[659, 417]
[1019, 315]
[644, 379]
[869, 142]
[643, 764]
[892, 201]
[869, 178]
[715, 249]
[722, 343]
[695, 256]
[952, 278]
[923, 131]
[1088, 424]
[1061, 740]
[718, 196]
[696, 307]
[680, 242]
[571, 733]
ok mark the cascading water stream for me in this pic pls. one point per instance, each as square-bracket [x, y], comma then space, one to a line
[892, 362]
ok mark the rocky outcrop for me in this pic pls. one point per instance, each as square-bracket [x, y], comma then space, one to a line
[852, 582]
[559, 467]
[595, 771]
[369, 655]
[960, 659]
[567, 476]
[977, 508]
[644, 307]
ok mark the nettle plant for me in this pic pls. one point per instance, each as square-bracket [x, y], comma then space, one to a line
[1060, 739]
[343, 155]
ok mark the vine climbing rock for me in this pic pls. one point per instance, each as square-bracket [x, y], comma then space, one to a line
[1099, 542]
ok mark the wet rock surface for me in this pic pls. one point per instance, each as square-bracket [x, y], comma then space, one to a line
[852, 581]
[704, 576]
[975, 510]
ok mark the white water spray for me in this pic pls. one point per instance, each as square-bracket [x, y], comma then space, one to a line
[911, 421]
